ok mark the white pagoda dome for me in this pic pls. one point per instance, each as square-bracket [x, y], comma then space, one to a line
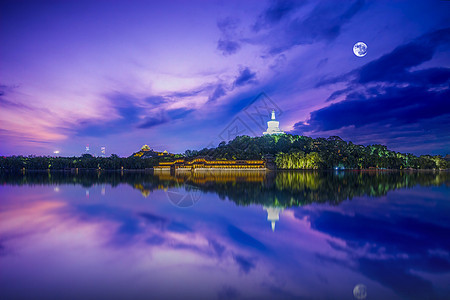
[273, 126]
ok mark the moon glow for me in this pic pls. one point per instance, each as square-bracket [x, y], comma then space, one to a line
[360, 49]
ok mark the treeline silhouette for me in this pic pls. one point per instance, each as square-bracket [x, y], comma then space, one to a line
[86, 161]
[288, 152]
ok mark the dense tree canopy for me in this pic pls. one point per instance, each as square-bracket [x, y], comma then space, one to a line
[302, 152]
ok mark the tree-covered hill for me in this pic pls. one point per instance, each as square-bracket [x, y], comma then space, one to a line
[302, 152]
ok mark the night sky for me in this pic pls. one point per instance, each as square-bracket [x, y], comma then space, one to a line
[178, 75]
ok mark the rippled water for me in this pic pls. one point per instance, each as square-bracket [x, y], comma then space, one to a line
[254, 235]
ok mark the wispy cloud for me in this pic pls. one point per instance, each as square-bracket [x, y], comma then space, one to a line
[131, 113]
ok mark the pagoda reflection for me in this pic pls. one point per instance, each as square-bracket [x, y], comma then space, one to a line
[273, 214]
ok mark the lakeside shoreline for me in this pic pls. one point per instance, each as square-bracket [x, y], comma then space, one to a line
[204, 170]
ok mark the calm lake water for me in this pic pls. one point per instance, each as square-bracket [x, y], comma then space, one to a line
[285, 235]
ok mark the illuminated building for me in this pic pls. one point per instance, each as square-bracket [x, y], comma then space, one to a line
[103, 151]
[273, 126]
[201, 163]
[147, 152]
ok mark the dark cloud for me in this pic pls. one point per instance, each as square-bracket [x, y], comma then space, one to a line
[189, 93]
[391, 65]
[429, 77]
[277, 292]
[12, 105]
[5, 103]
[351, 11]
[228, 26]
[128, 113]
[150, 122]
[218, 248]
[360, 230]
[218, 92]
[278, 10]
[128, 225]
[245, 264]
[129, 116]
[323, 23]
[386, 92]
[246, 76]
[322, 62]
[4, 88]
[164, 223]
[154, 219]
[338, 93]
[228, 43]
[396, 106]
[244, 239]
[394, 66]
[156, 100]
[284, 29]
[397, 277]
[426, 137]
[227, 292]
[155, 240]
[178, 113]
[178, 227]
[164, 117]
[228, 47]
[376, 236]
[279, 62]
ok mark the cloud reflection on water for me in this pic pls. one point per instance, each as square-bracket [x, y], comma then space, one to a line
[121, 242]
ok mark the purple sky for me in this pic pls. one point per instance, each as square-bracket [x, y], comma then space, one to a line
[176, 75]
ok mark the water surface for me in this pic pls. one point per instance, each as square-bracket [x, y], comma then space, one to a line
[253, 235]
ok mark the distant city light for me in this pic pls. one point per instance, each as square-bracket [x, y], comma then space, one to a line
[56, 152]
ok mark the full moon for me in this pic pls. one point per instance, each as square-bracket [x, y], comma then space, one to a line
[360, 49]
[360, 290]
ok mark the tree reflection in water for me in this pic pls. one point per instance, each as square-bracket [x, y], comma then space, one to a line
[396, 245]
[280, 189]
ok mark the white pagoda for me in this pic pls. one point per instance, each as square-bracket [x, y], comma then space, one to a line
[273, 214]
[273, 126]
